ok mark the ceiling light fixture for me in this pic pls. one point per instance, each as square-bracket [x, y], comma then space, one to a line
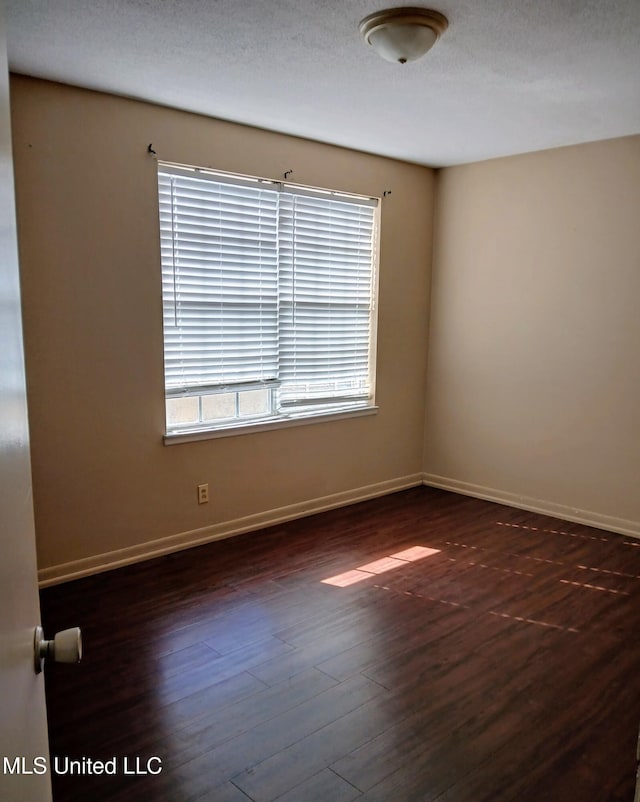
[403, 34]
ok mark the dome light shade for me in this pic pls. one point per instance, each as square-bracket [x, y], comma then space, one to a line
[403, 34]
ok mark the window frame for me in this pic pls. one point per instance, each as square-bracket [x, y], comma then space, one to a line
[289, 415]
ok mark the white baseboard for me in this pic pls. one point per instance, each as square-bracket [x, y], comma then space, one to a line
[98, 563]
[621, 525]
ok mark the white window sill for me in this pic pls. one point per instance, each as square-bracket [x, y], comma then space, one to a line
[234, 430]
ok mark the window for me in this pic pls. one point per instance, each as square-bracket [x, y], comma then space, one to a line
[268, 300]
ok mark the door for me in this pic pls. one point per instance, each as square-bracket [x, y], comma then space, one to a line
[23, 721]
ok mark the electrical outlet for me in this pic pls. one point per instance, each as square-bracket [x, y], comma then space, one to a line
[203, 494]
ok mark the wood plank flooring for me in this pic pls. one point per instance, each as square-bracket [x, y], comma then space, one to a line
[502, 664]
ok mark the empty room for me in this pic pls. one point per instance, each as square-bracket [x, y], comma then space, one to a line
[320, 401]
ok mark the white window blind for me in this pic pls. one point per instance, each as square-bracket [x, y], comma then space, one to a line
[219, 283]
[325, 300]
[265, 286]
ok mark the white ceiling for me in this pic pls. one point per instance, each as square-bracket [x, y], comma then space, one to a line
[508, 76]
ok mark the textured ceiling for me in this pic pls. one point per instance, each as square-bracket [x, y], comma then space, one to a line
[508, 76]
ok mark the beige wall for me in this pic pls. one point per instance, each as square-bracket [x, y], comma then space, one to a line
[534, 365]
[88, 233]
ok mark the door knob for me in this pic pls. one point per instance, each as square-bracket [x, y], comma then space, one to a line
[66, 647]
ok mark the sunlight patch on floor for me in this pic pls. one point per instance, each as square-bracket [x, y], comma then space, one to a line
[553, 531]
[380, 566]
[533, 621]
[608, 571]
[594, 587]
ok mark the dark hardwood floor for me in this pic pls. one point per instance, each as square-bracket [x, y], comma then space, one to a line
[497, 662]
